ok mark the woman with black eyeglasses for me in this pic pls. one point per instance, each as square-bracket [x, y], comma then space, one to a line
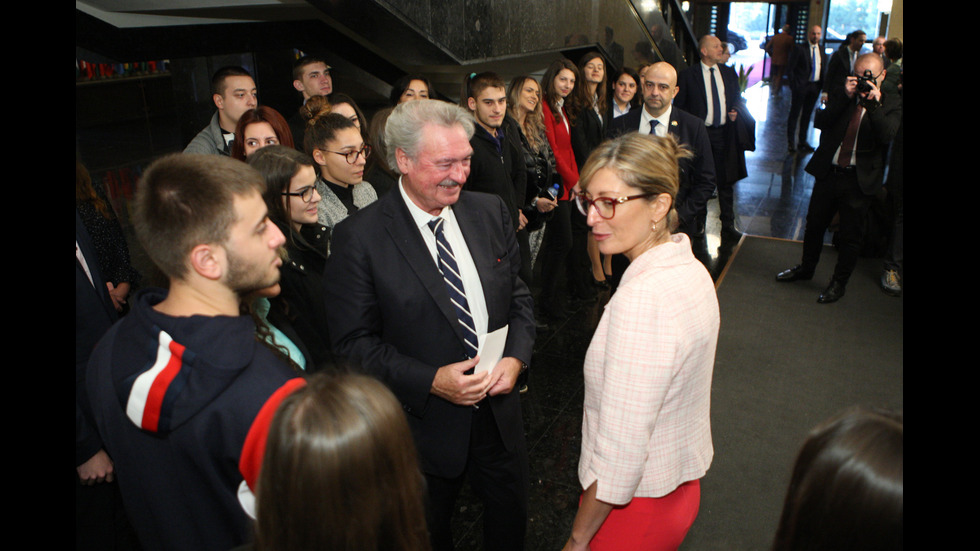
[292, 199]
[646, 429]
[337, 146]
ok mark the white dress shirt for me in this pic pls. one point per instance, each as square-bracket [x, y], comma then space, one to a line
[706, 74]
[467, 269]
[663, 120]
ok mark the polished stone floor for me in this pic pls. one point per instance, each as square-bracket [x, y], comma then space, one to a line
[771, 201]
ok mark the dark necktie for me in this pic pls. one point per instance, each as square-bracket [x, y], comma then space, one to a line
[715, 100]
[454, 284]
[653, 126]
[850, 137]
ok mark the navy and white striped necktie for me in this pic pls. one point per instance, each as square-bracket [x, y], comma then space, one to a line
[454, 284]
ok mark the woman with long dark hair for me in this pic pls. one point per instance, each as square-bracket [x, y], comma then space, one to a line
[588, 110]
[847, 491]
[411, 87]
[292, 199]
[340, 471]
[557, 85]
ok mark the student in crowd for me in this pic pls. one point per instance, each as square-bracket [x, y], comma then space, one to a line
[496, 165]
[311, 78]
[524, 126]
[624, 93]
[342, 104]
[588, 109]
[847, 489]
[293, 200]
[340, 471]
[175, 385]
[233, 92]
[258, 128]
[338, 148]
[411, 87]
[557, 85]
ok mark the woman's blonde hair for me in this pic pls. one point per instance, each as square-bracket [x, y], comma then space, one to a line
[642, 161]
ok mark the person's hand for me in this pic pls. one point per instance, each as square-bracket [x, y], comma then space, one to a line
[545, 205]
[96, 469]
[118, 294]
[850, 86]
[732, 115]
[504, 376]
[873, 94]
[452, 384]
[522, 221]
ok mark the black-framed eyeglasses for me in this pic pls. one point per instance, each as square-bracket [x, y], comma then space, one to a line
[306, 194]
[604, 206]
[353, 155]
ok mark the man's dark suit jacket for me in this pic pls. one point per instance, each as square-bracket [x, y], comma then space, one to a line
[692, 97]
[389, 311]
[799, 63]
[838, 68]
[878, 128]
[697, 173]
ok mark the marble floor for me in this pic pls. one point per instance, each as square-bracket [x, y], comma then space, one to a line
[771, 201]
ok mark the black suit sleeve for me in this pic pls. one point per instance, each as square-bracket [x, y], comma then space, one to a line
[701, 177]
[355, 323]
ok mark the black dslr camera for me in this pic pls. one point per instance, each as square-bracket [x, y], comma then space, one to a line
[863, 80]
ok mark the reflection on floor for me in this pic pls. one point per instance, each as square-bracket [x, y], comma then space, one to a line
[771, 201]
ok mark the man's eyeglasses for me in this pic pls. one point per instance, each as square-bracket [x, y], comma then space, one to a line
[306, 194]
[353, 155]
[604, 206]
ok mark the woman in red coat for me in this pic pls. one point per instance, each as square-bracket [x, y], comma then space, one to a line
[557, 85]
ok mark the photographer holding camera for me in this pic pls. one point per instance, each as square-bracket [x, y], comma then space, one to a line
[857, 125]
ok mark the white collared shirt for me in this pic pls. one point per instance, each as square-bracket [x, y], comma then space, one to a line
[617, 112]
[662, 121]
[815, 59]
[467, 268]
[706, 74]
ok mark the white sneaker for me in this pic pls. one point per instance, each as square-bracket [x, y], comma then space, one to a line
[890, 283]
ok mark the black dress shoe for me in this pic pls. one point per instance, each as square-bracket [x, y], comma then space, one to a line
[832, 293]
[796, 273]
[730, 232]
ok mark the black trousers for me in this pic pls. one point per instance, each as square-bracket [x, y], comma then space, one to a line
[553, 257]
[498, 477]
[800, 111]
[840, 193]
[726, 188]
